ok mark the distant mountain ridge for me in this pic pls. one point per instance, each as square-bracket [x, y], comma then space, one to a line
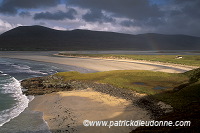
[43, 38]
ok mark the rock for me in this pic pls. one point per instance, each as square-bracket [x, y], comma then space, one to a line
[166, 107]
[50, 84]
[149, 104]
[44, 85]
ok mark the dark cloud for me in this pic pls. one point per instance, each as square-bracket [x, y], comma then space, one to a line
[127, 23]
[96, 15]
[192, 8]
[184, 18]
[186, 7]
[42, 23]
[179, 17]
[25, 14]
[12, 6]
[59, 15]
[159, 16]
[135, 9]
[149, 22]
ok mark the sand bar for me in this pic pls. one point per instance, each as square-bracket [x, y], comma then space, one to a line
[104, 64]
[65, 111]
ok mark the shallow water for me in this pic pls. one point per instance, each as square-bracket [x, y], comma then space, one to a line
[160, 88]
[139, 83]
[13, 118]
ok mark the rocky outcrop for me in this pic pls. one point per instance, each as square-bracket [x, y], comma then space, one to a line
[44, 85]
[53, 83]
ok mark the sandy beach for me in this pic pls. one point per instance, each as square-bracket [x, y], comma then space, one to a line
[66, 111]
[104, 64]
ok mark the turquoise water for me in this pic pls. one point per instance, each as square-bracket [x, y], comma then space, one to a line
[14, 117]
[12, 100]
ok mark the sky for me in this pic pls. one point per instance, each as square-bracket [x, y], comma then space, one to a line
[124, 16]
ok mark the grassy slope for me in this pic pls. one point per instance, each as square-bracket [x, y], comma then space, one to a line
[182, 98]
[186, 101]
[193, 60]
[126, 79]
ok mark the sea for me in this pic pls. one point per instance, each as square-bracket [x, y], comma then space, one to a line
[15, 117]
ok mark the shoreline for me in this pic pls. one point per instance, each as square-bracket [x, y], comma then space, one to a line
[48, 94]
[22, 122]
[52, 63]
[68, 109]
[105, 64]
[181, 66]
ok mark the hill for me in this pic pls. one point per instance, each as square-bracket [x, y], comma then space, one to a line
[43, 38]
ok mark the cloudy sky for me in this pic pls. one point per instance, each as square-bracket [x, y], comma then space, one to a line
[124, 16]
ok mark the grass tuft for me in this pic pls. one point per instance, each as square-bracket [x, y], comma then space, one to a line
[128, 78]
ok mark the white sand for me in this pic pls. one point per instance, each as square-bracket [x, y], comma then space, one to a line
[105, 64]
[67, 111]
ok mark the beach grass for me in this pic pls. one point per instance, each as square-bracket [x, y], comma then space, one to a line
[186, 105]
[192, 60]
[181, 90]
[141, 81]
[182, 98]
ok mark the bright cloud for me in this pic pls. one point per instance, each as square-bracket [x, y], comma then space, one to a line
[4, 26]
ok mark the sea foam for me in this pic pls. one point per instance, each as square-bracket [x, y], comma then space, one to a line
[13, 87]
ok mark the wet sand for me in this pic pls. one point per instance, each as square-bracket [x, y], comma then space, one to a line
[66, 111]
[105, 64]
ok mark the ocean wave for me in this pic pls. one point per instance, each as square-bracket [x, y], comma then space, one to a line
[23, 67]
[4, 74]
[6, 63]
[13, 88]
[26, 69]
[10, 76]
